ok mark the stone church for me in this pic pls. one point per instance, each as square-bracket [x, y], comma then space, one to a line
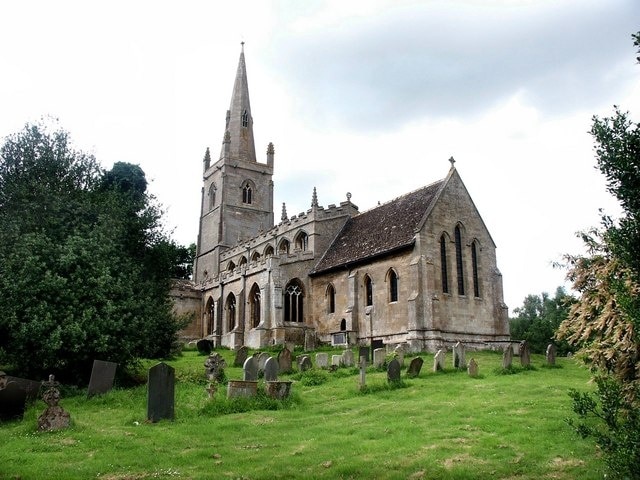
[418, 270]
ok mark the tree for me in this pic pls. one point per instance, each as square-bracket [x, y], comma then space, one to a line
[82, 276]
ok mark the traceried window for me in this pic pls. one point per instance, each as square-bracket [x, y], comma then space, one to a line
[283, 248]
[474, 266]
[247, 194]
[302, 241]
[230, 307]
[254, 301]
[255, 256]
[245, 119]
[231, 266]
[368, 291]
[459, 265]
[444, 267]
[210, 312]
[212, 196]
[243, 261]
[392, 277]
[294, 302]
[331, 299]
[268, 252]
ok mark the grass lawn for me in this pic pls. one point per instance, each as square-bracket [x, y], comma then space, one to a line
[442, 425]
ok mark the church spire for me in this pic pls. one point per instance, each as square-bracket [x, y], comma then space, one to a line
[238, 137]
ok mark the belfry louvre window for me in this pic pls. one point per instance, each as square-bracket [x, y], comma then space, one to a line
[474, 266]
[459, 267]
[444, 270]
[293, 302]
[245, 119]
[247, 194]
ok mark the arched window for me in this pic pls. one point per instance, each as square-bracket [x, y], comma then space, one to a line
[210, 310]
[368, 291]
[294, 302]
[283, 248]
[254, 301]
[243, 261]
[245, 119]
[459, 266]
[231, 266]
[343, 325]
[331, 299]
[230, 307]
[247, 193]
[302, 241]
[474, 266]
[392, 277]
[255, 256]
[268, 252]
[212, 195]
[444, 267]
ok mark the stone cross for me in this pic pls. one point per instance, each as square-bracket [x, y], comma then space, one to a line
[438, 360]
[507, 357]
[214, 367]
[54, 417]
[525, 354]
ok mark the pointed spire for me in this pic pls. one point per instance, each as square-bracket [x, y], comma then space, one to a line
[314, 199]
[239, 120]
[207, 159]
[283, 216]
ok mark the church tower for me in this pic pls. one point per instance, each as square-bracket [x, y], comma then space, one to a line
[237, 193]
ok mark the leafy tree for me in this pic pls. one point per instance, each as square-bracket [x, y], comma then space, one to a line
[82, 269]
[539, 318]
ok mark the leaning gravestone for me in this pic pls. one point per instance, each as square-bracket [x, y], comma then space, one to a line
[284, 360]
[551, 354]
[438, 360]
[304, 363]
[459, 361]
[54, 417]
[414, 367]
[347, 358]
[393, 371]
[214, 367]
[102, 376]
[241, 356]
[507, 357]
[322, 360]
[271, 370]
[161, 392]
[472, 369]
[250, 369]
[379, 356]
[13, 399]
[204, 346]
[525, 354]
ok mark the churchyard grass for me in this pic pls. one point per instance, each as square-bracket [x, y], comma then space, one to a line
[442, 425]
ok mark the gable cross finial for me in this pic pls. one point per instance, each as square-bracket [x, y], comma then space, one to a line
[452, 161]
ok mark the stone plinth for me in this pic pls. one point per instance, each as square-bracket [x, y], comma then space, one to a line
[242, 388]
[279, 389]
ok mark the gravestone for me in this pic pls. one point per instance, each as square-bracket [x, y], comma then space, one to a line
[414, 367]
[322, 360]
[271, 370]
[379, 356]
[364, 352]
[204, 346]
[291, 346]
[459, 361]
[54, 417]
[102, 376]
[161, 392]
[507, 357]
[399, 353]
[525, 354]
[363, 371]
[278, 389]
[304, 363]
[241, 355]
[262, 359]
[551, 354]
[309, 340]
[347, 358]
[472, 369]
[13, 399]
[393, 371]
[284, 360]
[250, 369]
[438, 360]
[214, 367]
[336, 360]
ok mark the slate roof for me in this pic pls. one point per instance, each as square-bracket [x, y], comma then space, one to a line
[383, 229]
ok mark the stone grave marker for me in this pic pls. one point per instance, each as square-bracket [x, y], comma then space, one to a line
[250, 369]
[459, 360]
[304, 363]
[414, 367]
[393, 371]
[363, 371]
[102, 376]
[161, 392]
[379, 356]
[214, 367]
[399, 351]
[54, 417]
[262, 359]
[438, 360]
[13, 399]
[336, 360]
[271, 368]
[364, 352]
[241, 355]
[285, 358]
[291, 346]
[309, 340]
[322, 360]
[204, 346]
[525, 354]
[507, 357]
[472, 369]
[551, 354]
[347, 358]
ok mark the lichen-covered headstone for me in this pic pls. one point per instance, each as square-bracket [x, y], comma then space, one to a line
[507, 357]
[399, 354]
[472, 369]
[393, 371]
[414, 367]
[304, 363]
[271, 370]
[551, 355]
[161, 392]
[459, 360]
[336, 360]
[262, 359]
[322, 360]
[241, 356]
[54, 417]
[348, 358]
[438, 360]
[250, 369]
[214, 367]
[102, 376]
[379, 356]
[525, 354]
[285, 358]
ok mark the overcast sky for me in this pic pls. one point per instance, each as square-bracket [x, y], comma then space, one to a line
[368, 97]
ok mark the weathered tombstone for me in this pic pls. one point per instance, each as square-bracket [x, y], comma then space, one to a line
[347, 358]
[250, 369]
[363, 371]
[271, 370]
[364, 352]
[102, 376]
[551, 354]
[438, 360]
[525, 354]
[472, 369]
[54, 417]
[393, 371]
[414, 367]
[305, 363]
[336, 360]
[161, 392]
[278, 389]
[241, 355]
[262, 359]
[507, 357]
[242, 388]
[379, 356]
[13, 399]
[322, 360]
[204, 346]
[309, 340]
[214, 367]
[291, 346]
[399, 353]
[459, 360]
[284, 360]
